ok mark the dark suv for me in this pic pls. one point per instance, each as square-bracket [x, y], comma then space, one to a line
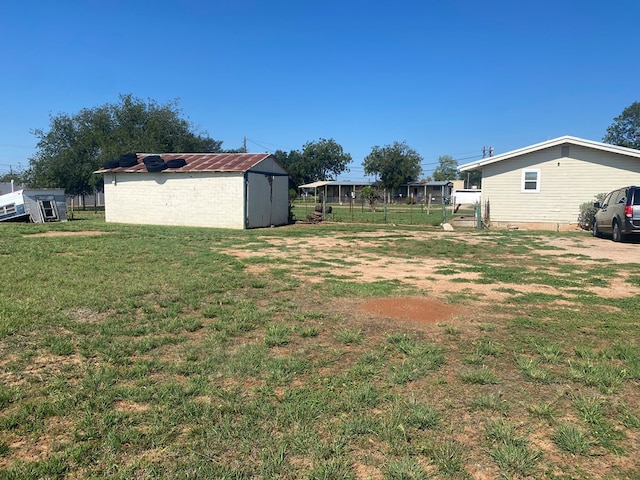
[618, 214]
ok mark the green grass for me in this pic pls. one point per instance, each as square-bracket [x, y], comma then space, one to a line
[511, 451]
[489, 401]
[155, 352]
[450, 457]
[405, 469]
[545, 410]
[572, 439]
[479, 376]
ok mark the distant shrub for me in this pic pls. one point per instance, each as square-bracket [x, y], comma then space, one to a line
[371, 196]
[588, 212]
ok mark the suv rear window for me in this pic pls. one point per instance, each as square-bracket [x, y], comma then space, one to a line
[616, 197]
[636, 197]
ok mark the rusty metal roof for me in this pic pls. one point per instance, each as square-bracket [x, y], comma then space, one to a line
[199, 162]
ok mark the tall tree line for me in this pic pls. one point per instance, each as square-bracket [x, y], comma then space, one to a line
[76, 145]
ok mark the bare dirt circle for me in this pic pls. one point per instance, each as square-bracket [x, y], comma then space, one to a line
[409, 308]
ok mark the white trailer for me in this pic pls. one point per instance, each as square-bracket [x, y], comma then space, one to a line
[31, 205]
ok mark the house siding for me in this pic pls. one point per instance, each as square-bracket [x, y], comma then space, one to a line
[210, 199]
[566, 182]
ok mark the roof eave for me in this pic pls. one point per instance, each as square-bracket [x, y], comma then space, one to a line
[548, 144]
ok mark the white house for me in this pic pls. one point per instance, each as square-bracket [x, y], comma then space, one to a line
[543, 185]
[227, 190]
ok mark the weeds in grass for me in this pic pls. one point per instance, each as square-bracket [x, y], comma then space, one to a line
[404, 469]
[600, 374]
[416, 415]
[490, 401]
[545, 410]
[525, 323]
[338, 469]
[628, 418]
[510, 451]
[488, 347]
[516, 461]
[420, 358]
[571, 439]
[402, 342]
[360, 424]
[449, 456]
[451, 330]
[549, 352]
[349, 337]
[486, 328]
[168, 366]
[500, 431]
[383, 288]
[307, 332]
[591, 409]
[531, 370]
[482, 349]
[474, 359]
[276, 335]
[481, 376]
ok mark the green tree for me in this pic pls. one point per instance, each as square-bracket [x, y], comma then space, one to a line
[371, 196]
[625, 129]
[16, 176]
[292, 164]
[77, 145]
[446, 170]
[323, 160]
[472, 179]
[318, 161]
[393, 165]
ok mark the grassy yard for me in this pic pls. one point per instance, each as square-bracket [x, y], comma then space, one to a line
[151, 352]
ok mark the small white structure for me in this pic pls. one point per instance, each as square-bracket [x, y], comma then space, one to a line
[542, 186]
[466, 196]
[227, 190]
[33, 205]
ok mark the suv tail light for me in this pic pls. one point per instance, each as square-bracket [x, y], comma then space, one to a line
[628, 211]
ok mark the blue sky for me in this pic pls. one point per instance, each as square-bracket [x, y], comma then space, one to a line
[447, 77]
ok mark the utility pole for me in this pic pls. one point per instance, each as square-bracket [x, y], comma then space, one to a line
[244, 144]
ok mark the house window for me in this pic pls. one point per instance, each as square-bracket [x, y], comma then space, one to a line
[531, 181]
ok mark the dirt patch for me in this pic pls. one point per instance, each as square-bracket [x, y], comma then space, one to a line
[347, 257]
[409, 308]
[86, 233]
[127, 406]
[594, 248]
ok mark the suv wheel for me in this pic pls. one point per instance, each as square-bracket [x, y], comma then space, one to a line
[616, 232]
[596, 230]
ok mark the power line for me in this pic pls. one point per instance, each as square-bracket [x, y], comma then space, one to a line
[355, 166]
[264, 146]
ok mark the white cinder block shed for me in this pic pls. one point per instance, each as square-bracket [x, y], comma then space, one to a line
[226, 190]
